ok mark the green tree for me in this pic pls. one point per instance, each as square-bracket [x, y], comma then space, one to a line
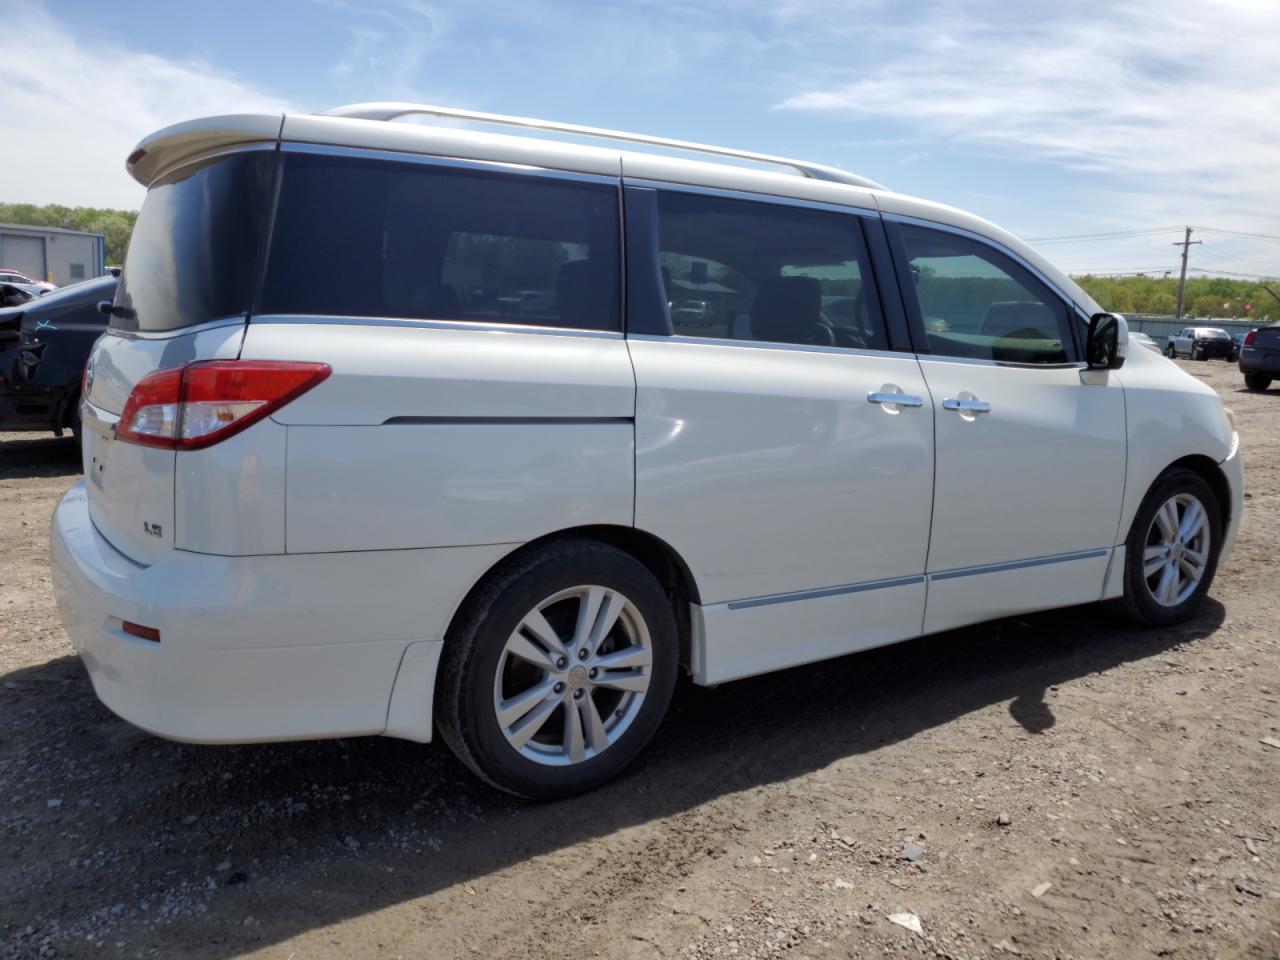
[115, 225]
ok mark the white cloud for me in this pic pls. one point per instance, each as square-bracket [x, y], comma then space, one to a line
[388, 44]
[75, 109]
[1171, 105]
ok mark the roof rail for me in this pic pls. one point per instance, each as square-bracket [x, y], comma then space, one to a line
[391, 111]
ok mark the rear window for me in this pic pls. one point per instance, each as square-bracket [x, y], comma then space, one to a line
[197, 245]
[377, 238]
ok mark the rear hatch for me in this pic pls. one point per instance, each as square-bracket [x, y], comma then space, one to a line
[185, 295]
[1267, 340]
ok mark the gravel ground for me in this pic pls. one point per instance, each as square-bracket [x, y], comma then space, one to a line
[1062, 785]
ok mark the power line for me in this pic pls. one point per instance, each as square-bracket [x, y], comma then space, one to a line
[1092, 237]
[1241, 234]
[1249, 276]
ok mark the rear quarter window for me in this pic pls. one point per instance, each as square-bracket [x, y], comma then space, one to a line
[197, 246]
[381, 238]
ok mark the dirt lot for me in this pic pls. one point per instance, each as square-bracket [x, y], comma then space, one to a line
[770, 819]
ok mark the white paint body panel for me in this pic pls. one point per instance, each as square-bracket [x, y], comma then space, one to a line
[1038, 475]
[131, 487]
[730, 643]
[407, 369]
[769, 472]
[437, 485]
[1171, 415]
[229, 498]
[252, 648]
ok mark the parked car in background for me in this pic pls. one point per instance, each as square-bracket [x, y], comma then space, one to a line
[38, 287]
[323, 497]
[1201, 343]
[15, 294]
[1237, 342]
[44, 345]
[1142, 340]
[1260, 357]
[527, 301]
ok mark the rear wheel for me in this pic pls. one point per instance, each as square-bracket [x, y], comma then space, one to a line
[1171, 553]
[1255, 381]
[559, 671]
[1197, 353]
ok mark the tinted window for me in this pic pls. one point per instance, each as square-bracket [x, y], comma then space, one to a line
[976, 302]
[367, 238]
[750, 270]
[196, 247]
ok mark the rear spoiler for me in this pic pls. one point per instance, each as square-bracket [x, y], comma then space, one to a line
[170, 146]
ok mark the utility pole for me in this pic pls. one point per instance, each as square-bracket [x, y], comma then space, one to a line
[1185, 243]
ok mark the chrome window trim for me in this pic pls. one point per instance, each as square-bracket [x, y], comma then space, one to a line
[440, 160]
[472, 326]
[980, 362]
[987, 241]
[751, 196]
[774, 345]
[237, 319]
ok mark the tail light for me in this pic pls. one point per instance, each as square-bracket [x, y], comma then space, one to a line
[1248, 338]
[187, 408]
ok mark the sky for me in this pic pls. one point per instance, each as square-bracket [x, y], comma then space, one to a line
[1054, 119]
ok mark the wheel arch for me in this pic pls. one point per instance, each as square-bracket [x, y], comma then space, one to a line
[659, 557]
[1212, 474]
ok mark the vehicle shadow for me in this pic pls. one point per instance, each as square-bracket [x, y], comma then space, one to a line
[23, 456]
[174, 846]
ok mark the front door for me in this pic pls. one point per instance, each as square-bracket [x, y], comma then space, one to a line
[1031, 445]
[782, 448]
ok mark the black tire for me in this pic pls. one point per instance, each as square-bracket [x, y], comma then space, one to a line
[1256, 381]
[1172, 353]
[473, 651]
[1138, 601]
[1197, 353]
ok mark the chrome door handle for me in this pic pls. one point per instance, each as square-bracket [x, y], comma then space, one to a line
[966, 406]
[898, 399]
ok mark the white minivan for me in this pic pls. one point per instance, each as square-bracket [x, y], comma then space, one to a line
[339, 481]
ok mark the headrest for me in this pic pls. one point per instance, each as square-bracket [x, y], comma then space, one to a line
[787, 310]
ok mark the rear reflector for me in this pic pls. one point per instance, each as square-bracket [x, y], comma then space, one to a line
[138, 630]
[196, 406]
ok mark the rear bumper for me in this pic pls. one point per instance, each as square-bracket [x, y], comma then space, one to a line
[1213, 350]
[1265, 362]
[258, 648]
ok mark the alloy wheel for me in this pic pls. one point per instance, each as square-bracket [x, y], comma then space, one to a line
[572, 676]
[1176, 555]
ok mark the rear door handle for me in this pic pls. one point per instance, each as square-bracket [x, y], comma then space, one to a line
[966, 406]
[897, 399]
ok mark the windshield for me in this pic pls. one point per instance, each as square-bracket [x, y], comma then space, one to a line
[197, 245]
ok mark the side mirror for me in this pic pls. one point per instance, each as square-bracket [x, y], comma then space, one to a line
[1108, 341]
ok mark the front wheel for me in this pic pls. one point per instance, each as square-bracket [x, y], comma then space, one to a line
[559, 670]
[1172, 353]
[1171, 553]
[1256, 381]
